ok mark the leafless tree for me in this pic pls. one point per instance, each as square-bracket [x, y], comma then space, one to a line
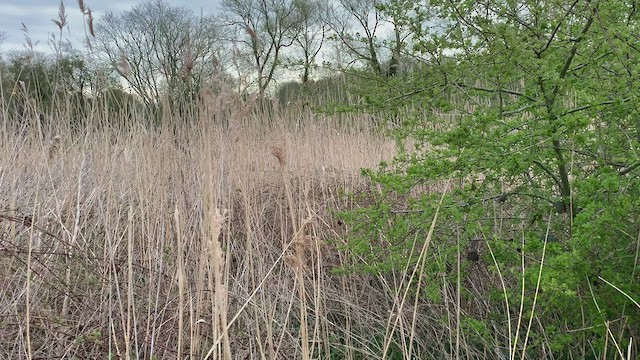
[313, 30]
[263, 29]
[371, 32]
[159, 48]
[356, 25]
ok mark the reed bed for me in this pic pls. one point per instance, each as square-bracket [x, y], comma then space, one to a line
[189, 241]
[212, 234]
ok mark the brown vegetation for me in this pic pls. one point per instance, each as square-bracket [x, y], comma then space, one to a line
[183, 241]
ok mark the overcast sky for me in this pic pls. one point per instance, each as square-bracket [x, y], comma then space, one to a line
[37, 14]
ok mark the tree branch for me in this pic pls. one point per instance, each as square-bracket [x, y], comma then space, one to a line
[629, 168]
[585, 107]
[505, 91]
[548, 172]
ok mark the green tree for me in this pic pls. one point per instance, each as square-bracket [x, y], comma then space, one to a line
[37, 82]
[532, 108]
[39, 87]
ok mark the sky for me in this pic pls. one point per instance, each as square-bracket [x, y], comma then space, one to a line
[37, 14]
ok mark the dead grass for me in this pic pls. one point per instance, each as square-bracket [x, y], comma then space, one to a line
[203, 240]
[142, 243]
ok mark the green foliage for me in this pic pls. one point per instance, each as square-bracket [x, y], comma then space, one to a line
[324, 93]
[531, 108]
[66, 86]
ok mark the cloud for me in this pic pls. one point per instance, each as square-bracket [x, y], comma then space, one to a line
[36, 15]
[37, 18]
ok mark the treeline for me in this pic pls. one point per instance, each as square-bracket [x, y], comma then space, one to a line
[39, 85]
[157, 53]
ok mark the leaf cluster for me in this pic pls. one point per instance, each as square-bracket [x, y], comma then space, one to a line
[527, 112]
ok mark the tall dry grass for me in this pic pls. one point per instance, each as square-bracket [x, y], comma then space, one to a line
[202, 238]
[193, 240]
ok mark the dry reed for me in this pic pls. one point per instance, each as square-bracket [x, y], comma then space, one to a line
[114, 242]
[126, 248]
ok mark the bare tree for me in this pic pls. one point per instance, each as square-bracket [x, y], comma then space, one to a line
[373, 32]
[159, 48]
[313, 28]
[263, 29]
[356, 25]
